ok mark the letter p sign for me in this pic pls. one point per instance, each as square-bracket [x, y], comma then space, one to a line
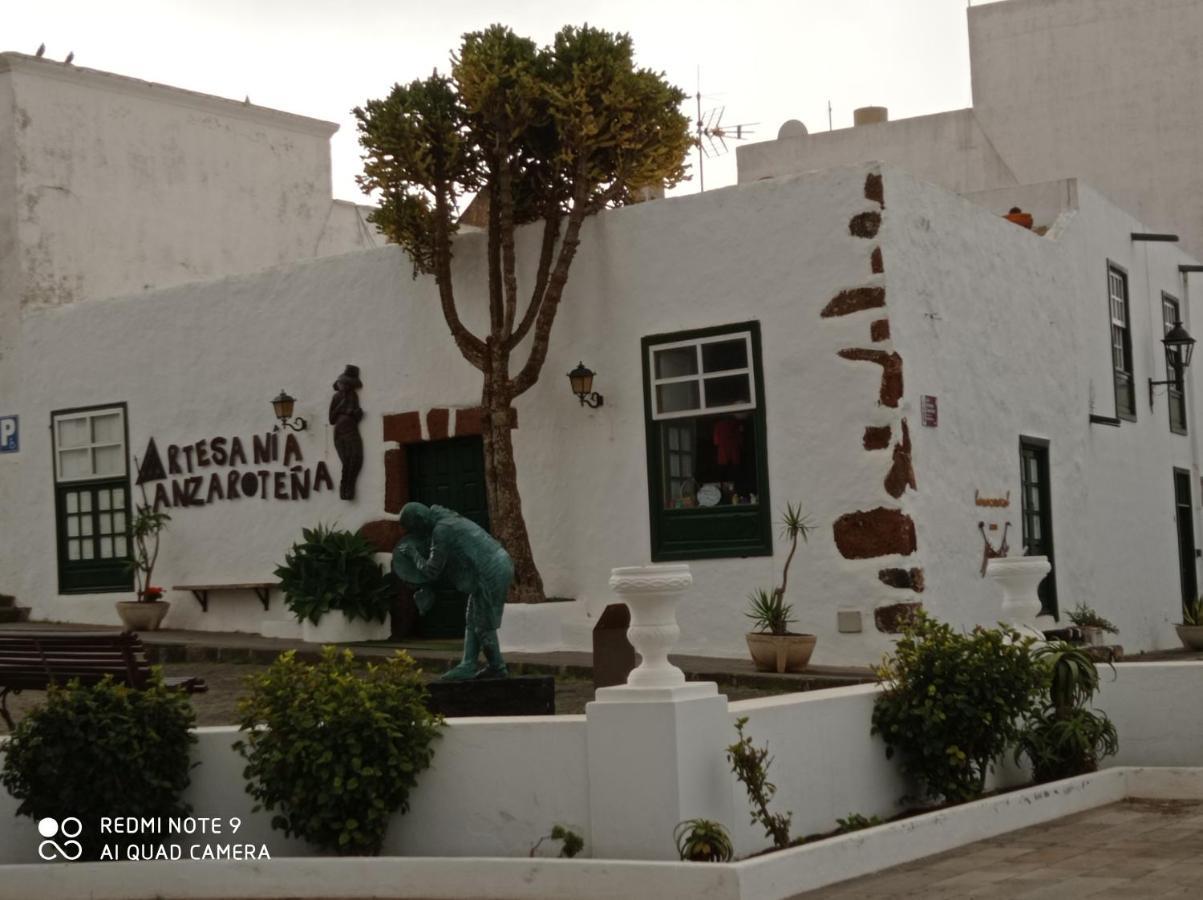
[9, 436]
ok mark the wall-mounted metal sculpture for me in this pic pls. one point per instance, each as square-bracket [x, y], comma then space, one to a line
[345, 413]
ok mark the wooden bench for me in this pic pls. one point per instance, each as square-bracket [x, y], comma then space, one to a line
[262, 590]
[33, 660]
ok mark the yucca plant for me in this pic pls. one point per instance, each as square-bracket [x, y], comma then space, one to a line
[768, 609]
[1192, 612]
[702, 840]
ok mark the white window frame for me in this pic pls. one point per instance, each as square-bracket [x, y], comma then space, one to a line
[700, 376]
[91, 446]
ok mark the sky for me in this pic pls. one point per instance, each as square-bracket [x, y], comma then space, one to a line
[765, 62]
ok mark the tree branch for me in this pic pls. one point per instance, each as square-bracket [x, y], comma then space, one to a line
[472, 347]
[506, 223]
[551, 234]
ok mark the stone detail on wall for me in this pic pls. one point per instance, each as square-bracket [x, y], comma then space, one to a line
[890, 619]
[879, 330]
[904, 579]
[891, 376]
[874, 189]
[383, 534]
[865, 225]
[877, 437]
[876, 264]
[469, 420]
[866, 534]
[901, 474]
[855, 300]
[438, 423]
[404, 428]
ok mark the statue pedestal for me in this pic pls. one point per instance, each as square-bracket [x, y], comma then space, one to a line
[655, 744]
[523, 695]
[1020, 577]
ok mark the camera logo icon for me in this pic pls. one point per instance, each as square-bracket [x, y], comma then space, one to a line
[69, 849]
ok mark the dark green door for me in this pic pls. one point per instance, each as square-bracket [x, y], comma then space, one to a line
[449, 473]
[1185, 517]
[1037, 515]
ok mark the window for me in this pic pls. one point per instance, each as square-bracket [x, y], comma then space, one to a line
[1121, 343]
[91, 496]
[1176, 394]
[1036, 515]
[707, 466]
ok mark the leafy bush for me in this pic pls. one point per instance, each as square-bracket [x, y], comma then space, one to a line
[332, 570]
[857, 822]
[571, 843]
[1085, 617]
[751, 766]
[702, 840]
[102, 750]
[953, 703]
[334, 750]
[1064, 738]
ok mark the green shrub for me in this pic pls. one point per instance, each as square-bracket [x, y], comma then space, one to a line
[1085, 617]
[857, 822]
[953, 703]
[332, 570]
[334, 750]
[702, 840]
[1064, 738]
[102, 750]
[571, 843]
[751, 766]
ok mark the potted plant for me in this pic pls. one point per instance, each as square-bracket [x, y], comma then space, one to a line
[335, 587]
[147, 612]
[1190, 632]
[1093, 625]
[773, 646]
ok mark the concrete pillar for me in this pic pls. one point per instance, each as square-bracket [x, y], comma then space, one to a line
[656, 744]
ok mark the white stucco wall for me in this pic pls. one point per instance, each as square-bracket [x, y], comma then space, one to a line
[1019, 344]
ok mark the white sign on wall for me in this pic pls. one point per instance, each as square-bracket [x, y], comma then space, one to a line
[10, 441]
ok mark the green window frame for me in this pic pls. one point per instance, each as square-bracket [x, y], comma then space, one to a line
[92, 499]
[1119, 307]
[707, 460]
[1171, 312]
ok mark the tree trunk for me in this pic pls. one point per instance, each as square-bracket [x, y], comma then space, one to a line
[501, 485]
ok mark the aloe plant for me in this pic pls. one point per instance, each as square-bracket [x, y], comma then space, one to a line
[766, 608]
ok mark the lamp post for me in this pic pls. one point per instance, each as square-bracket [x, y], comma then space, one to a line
[282, 405]
[1182, 345]
[581, 379]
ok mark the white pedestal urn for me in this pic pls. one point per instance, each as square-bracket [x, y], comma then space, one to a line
[1019, 577]
[651, 593]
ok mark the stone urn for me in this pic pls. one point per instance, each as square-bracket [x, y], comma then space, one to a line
[138, 616]
[780, 652]
[1019, 577]
[1191, 636]
[651, 593]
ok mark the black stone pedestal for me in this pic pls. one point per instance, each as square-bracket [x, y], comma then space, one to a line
[523, 695]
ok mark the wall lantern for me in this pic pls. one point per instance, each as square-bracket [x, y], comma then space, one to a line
[1182, 346]
[282, 404]
[581, 379]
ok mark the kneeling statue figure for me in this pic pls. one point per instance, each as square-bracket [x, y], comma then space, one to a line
[442, 549]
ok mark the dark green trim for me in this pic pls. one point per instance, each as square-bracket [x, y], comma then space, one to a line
[1126, 415]
[94, 576]
[1170, 398]
[1041, 448]
[717, 523]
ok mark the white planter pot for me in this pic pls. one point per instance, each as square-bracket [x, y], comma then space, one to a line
[1019, 577]
[651, 593]
[336, 628]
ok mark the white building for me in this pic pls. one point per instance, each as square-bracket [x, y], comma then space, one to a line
[883, 349]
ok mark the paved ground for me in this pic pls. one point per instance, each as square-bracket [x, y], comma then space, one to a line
[1136, 849]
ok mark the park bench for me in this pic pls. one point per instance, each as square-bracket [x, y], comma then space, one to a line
[262, 590]
[33, 660]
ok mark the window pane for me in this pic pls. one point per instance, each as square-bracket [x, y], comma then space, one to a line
[722, 355]
[677, 397]
[106, 429]
[118, 498]
[106, 548]
[108, 461]
[73, 550]
[89, 552]
[106, 523]
[72, 526]
[119, 548]
[73, 433]
[728, 390]
[103, 499]
[85, 501]
[119, 523]
[716, 465]
[75, 463]
[676, 362]
[85, 525]
[72, 503]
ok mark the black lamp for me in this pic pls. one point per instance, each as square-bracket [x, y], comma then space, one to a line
[1182, 344]
[581, 379]
[282, 404]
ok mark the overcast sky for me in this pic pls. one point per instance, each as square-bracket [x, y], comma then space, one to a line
[764, 61]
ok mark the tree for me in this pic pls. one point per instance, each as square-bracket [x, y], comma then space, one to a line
[552, 134]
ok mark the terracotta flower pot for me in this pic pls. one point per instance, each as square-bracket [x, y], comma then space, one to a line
[1191, 636]
[780, 652]
[142, 616]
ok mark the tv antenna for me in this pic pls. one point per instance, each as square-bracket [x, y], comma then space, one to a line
[712, 134]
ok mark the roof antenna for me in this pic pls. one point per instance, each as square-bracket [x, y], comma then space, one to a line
[712, 135]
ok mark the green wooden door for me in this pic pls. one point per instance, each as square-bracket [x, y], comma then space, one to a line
[449, 473]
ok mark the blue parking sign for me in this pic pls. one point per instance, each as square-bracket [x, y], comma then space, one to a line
[9, 435]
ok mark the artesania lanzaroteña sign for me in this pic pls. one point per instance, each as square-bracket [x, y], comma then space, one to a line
[186, 480]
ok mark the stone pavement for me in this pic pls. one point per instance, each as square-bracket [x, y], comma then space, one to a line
[225, 646]
[1136, 849]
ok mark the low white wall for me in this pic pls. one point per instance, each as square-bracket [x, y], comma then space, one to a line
[1157, 709]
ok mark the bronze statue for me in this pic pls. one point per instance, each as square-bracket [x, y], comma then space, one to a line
[441, 548]
[345, 414]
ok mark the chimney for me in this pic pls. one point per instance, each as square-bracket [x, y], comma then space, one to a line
[870, 115]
